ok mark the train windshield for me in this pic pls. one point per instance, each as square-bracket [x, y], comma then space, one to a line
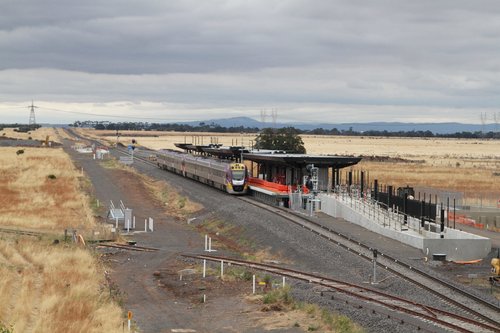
[238, 174]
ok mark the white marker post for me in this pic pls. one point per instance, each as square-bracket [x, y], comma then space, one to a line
[210, 245]
[221, 268]
[253, 284]
[116, 224]
[283, 282]
[129, 316]
[206, 242]
[133, 223]
[204, 267]
[145, 225]
[151, 224]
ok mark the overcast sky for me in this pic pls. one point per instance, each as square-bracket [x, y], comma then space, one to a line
[327, 61]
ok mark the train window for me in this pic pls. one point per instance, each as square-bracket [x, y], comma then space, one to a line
[238, 174]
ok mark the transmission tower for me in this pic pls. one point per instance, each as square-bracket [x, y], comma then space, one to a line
[274, 116]
[32, 122]
[263, 116]
[483, 121]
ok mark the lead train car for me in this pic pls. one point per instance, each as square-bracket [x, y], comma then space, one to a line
[225, 175]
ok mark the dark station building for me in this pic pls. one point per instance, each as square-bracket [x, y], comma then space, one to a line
[273, 174]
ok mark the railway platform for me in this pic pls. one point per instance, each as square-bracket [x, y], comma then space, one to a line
[431, 238]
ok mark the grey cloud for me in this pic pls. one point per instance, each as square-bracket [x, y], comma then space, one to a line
[230, 54]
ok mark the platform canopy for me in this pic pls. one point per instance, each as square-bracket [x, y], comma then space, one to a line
[302, 160]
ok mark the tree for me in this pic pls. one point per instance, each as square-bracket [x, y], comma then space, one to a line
[286, 138]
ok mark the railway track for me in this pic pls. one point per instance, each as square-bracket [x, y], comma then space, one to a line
[459, 298]
[128, 247]
[428, 316]
[468, 302]
[22, 232]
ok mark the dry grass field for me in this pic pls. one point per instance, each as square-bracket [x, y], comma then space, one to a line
[39, 134]
[39, 189]
[468, 166]
[46, 287]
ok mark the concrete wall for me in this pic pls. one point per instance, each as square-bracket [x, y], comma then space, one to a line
[458, 249]
[456, 244]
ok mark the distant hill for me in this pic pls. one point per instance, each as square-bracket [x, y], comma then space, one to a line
[437, 128]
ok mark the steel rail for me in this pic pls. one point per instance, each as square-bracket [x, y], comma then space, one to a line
[130, 247]
[23, 232]
[395, 261]
[360, 292]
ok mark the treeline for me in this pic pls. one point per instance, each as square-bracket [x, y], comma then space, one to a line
[140, 126]
[215, 128]
[406, 134]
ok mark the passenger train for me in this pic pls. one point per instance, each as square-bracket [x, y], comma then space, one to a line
[222, 174]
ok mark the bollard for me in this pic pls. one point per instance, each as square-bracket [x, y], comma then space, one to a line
[442, 222]
[253, 284]
[204, 267]
[221, 268]
[283, 282]
[206, 242]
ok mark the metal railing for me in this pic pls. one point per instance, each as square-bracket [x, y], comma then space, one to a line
[378, 212]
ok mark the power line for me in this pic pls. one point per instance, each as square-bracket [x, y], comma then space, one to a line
[101, 115]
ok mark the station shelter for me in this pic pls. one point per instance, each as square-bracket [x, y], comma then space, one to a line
[273, 175]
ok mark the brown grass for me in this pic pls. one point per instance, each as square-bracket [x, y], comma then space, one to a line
[45, 287]
[38, 134]
[175, 205]
[30, 199]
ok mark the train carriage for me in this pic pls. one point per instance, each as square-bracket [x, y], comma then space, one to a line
[223, 174]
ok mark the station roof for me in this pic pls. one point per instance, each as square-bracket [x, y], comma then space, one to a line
[301, 160]
[273, 157]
